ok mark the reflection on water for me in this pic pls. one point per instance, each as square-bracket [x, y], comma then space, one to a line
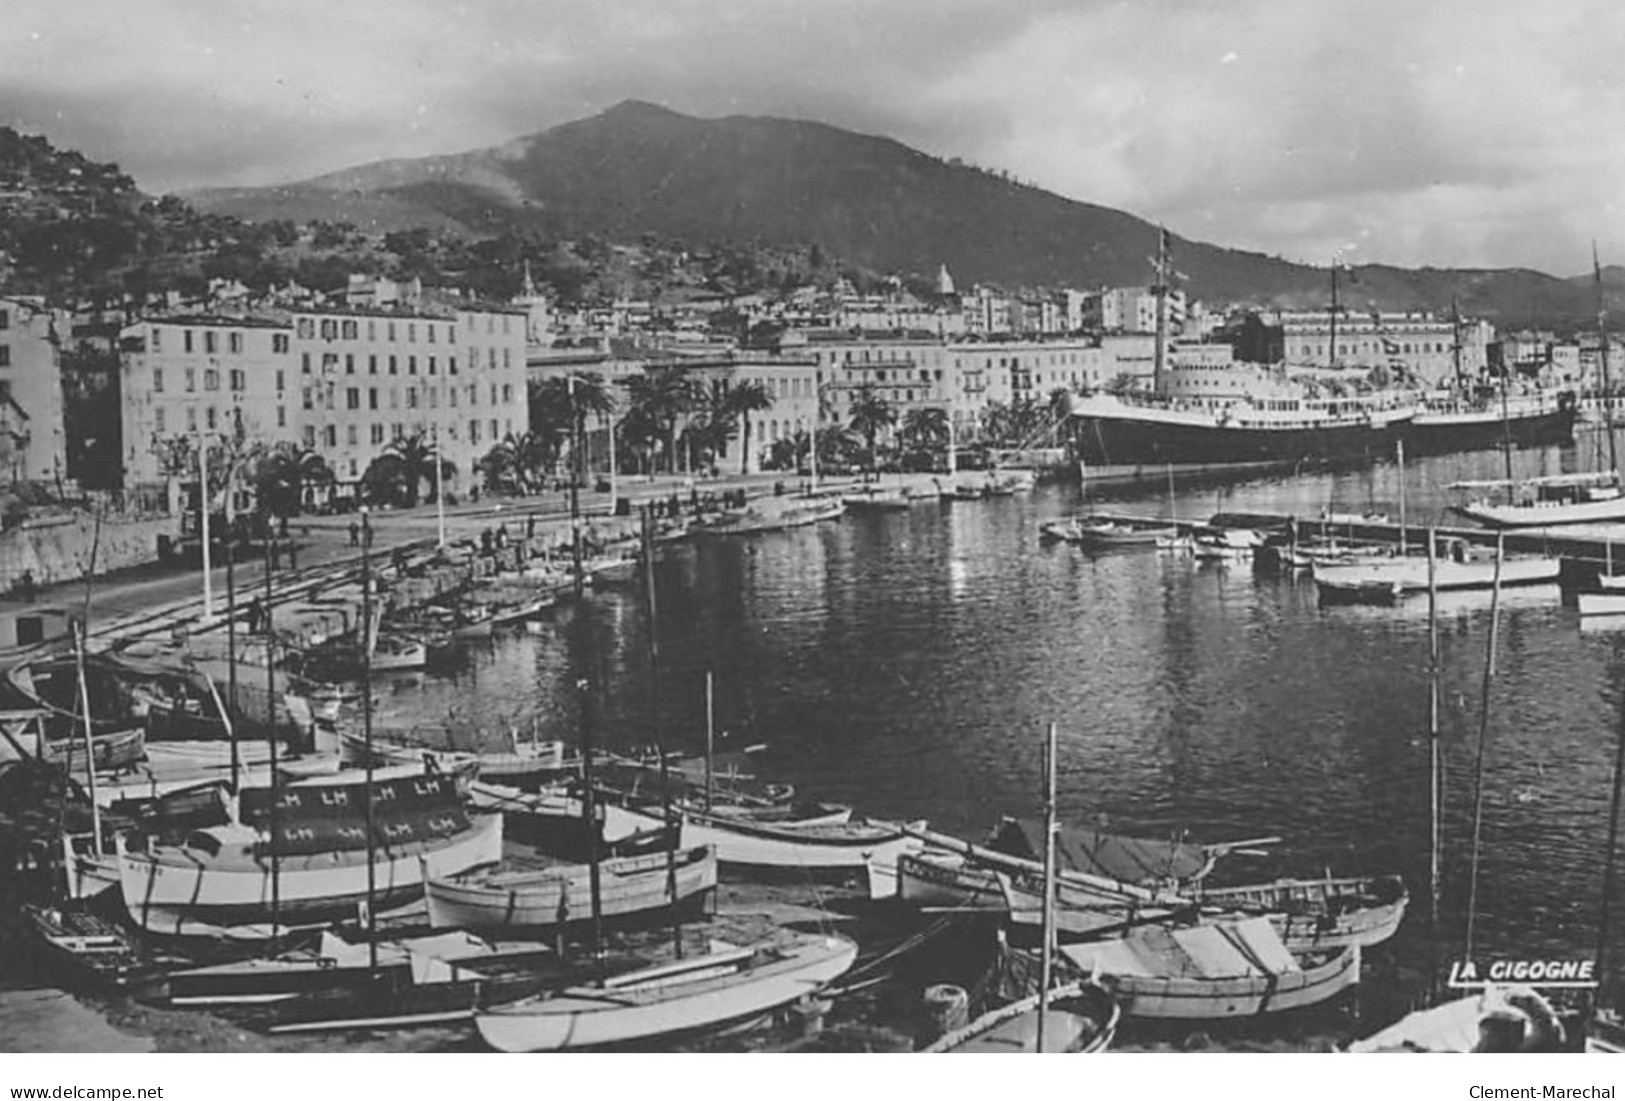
[907, 662]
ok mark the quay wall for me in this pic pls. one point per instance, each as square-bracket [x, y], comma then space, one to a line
[54, 549]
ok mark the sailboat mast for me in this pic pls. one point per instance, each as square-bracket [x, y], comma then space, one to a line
[1399, 450]
[1602, 352]
[710, 739]
[1483, 739]
[1331, 348]
[270, 735]
[1435, 759]
[1046, 958]
[1160, 292]
[660, 741]
[90, 744]
[231, 635]
[1455, 344]
[366, 735]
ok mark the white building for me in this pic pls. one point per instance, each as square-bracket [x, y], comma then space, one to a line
[32, 444]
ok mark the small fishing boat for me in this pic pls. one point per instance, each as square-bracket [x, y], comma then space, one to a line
[1498, 1018]
[523, 762]
[1607, 603]
[1226, 544]
[116, 751]
[399, 652]
[85, 947]
[1214, 971]
[720, 987]
[1597, 498]
[517, 612]
[1459, 566]
[874, 498]
[444, 982]
[1079, 1018]
[770, 514]
[740, 841]
[555, 894]
[223, 875]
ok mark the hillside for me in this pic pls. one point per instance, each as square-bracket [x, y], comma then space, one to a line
[638, 169]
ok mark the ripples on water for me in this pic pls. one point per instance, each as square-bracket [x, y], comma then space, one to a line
[908, 663]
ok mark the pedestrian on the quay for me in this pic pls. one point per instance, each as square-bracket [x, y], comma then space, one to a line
[355, 534]
[530, 527]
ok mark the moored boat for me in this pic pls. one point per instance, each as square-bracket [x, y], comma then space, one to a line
[1547, 502]
[1214, 971]
[557, 894]
[1080, 1018]
[722, 986]
[1460, 566]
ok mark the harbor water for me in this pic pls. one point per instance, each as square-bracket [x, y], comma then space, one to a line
[908, 662]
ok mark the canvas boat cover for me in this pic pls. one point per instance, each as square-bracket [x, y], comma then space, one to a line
[1218, 951]
[1112, 856]
[333, 817]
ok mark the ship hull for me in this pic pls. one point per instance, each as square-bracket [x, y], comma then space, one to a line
[1483, 430]
[1105, 439]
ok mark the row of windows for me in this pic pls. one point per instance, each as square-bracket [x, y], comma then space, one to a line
[211, 344]
[236, 379]
[1407, 348]
[331, 362]
[333, 328]
[326, 396]
[328, 436]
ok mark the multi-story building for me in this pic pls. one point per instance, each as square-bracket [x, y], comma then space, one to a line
[1134, 310]
[200, 376]
[1417, 341]
[31, 437]
[452, 373]
[344, 383]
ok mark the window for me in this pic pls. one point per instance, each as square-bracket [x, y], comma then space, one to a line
[411, 365]
[211, 419]
[310, 401]
[431, 360]
[372, 330]
[352, 398]
[491, 358]
[330, 362]
[430, 329]
[372, 365]
[186, 340]
[507, 357]
[372, 397]
[473, 393]
[451, 363]
[157, 376]
[507, 393]
[451, 334]
[452, 395]
[281, 416]
[310, 436]
[391, 332]
[157, 334]
[411, 397]
[191, 380]
[330, 329]
[211, 377]
[494, 434]
[473, 431]
[494, 392]
[377, 433]
[350, 434]
[239, 380]
[191, 418]
[411, 332]
[307, 330]
[331, 435]
[353, 468]
[350, 330]
[234, 343]
[158, 419]
[349, 363]
[392, 369]
[398, 430]
[5, 323]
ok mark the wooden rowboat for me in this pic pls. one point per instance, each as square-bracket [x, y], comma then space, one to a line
[114, 752]
[86, 947]
[1214, 971]
[1080, 1018]
[723, 986]
[872, 847]
[557, 895]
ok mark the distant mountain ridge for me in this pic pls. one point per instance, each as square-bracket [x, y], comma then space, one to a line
[638, 168]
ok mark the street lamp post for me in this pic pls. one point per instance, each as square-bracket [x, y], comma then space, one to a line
[203, 524]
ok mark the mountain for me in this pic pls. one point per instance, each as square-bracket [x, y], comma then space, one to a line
[641, 169]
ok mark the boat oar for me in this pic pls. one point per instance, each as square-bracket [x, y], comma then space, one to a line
[1251, 846]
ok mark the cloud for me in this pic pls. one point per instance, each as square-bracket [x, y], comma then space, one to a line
[1442, 133]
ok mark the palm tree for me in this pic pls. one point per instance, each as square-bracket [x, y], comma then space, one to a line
[499, 466]
[741, 401]
[282, 475]
[664, 397]
[871, 414]
[418, 457]
[925, 432]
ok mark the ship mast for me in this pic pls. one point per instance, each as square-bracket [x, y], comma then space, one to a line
[1159, 291]
[1331, 348]
[1455, 344]
[1602, 352]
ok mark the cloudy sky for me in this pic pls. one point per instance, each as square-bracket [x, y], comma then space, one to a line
[1415, 132]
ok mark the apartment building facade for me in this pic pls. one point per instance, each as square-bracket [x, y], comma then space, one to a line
[32, 445]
